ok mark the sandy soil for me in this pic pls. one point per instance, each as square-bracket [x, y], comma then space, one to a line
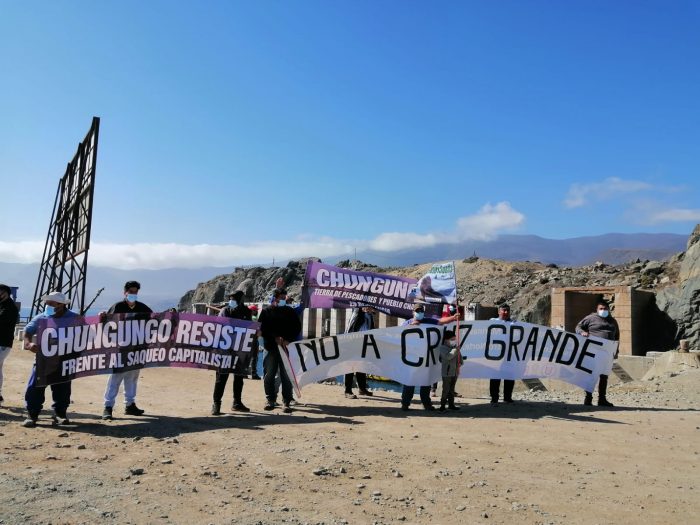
[334, 460]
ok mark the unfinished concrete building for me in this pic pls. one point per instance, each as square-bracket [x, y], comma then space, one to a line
[633, 309]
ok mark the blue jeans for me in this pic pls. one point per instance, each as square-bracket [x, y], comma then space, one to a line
[271, 364]
[35, 395]
[408, 391]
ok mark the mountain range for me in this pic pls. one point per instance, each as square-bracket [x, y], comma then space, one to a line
[162, 289]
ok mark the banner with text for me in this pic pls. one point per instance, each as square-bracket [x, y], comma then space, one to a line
[327, 286]
[84, 346]
[439, 285]
[490, 349]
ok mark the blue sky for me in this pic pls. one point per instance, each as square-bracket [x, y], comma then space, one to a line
[234, 132]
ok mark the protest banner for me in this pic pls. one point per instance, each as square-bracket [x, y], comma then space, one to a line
[83, 346]
[439, 285]
[327, 286]
[490, 349]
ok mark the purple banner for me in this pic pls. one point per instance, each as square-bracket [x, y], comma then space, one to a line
[327, 286]
[85, 346]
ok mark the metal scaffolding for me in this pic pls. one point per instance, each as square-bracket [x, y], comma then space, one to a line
[64, 263]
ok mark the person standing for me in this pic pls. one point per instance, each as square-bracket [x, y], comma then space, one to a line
[408, 391]
[279, 325]
[235, 309]
[56, 307]
[508, 384]
[8, 320]
[361, 319]
[255, 351]
[599, 324]
[129, 305]
[451, 360]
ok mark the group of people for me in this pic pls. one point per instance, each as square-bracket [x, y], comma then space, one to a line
[280, 324]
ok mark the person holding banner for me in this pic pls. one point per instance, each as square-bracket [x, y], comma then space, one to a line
[361, 319]
[451, 361]
[599, 324]
[408, 391]
[129, 305]
[8, 320]
[508, 384]
[279, 324]
[235, 309]
[256, 347]
[55, 306]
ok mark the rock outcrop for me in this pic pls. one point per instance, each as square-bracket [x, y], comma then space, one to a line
[682, 302]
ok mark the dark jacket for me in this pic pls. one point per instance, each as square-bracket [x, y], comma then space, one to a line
[241, 311]
[8, 320]
[122, 307]
[278, 321]
[357, 319]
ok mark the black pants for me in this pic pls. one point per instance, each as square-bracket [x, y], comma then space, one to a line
[361, 382]
[220, 386]
[495, 389]
[602, 387]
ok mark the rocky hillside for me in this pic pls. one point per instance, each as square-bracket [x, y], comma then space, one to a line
[525, 285]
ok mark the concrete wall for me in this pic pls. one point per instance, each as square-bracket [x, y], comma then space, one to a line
[630, 308]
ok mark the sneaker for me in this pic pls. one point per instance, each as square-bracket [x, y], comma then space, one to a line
[30, 422]
[405, 408]
[256, 377]
[107, 413]
[509, 400]
[588, 400]
[442, 408]
[494, 403]
[240, 407]
[366, 393]
[453, 407]
[350, 395]
[287, 408]
[60, 420]
[270, 405]
[604, 403]
[216, 409]
[133, 410]
[429, 407]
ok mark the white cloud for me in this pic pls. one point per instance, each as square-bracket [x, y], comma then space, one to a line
[581, 194]
[486, 223]
[674, 215]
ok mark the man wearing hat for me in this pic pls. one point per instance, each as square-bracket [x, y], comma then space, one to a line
[234, 309]
[56, 306]
[129, 305]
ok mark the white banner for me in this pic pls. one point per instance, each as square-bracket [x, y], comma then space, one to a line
[439, 285]
[491, 350]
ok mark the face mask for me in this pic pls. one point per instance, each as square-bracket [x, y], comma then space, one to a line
[419, 315]
[131, 297]
[232, 303]
[603, 313]
[452, 310]
[49, 310]
[282, 302]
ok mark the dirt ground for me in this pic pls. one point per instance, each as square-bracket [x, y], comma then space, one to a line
[545, 459]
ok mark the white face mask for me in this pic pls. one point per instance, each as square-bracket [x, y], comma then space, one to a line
[603, 313]
[419, 315]
[232, 303]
